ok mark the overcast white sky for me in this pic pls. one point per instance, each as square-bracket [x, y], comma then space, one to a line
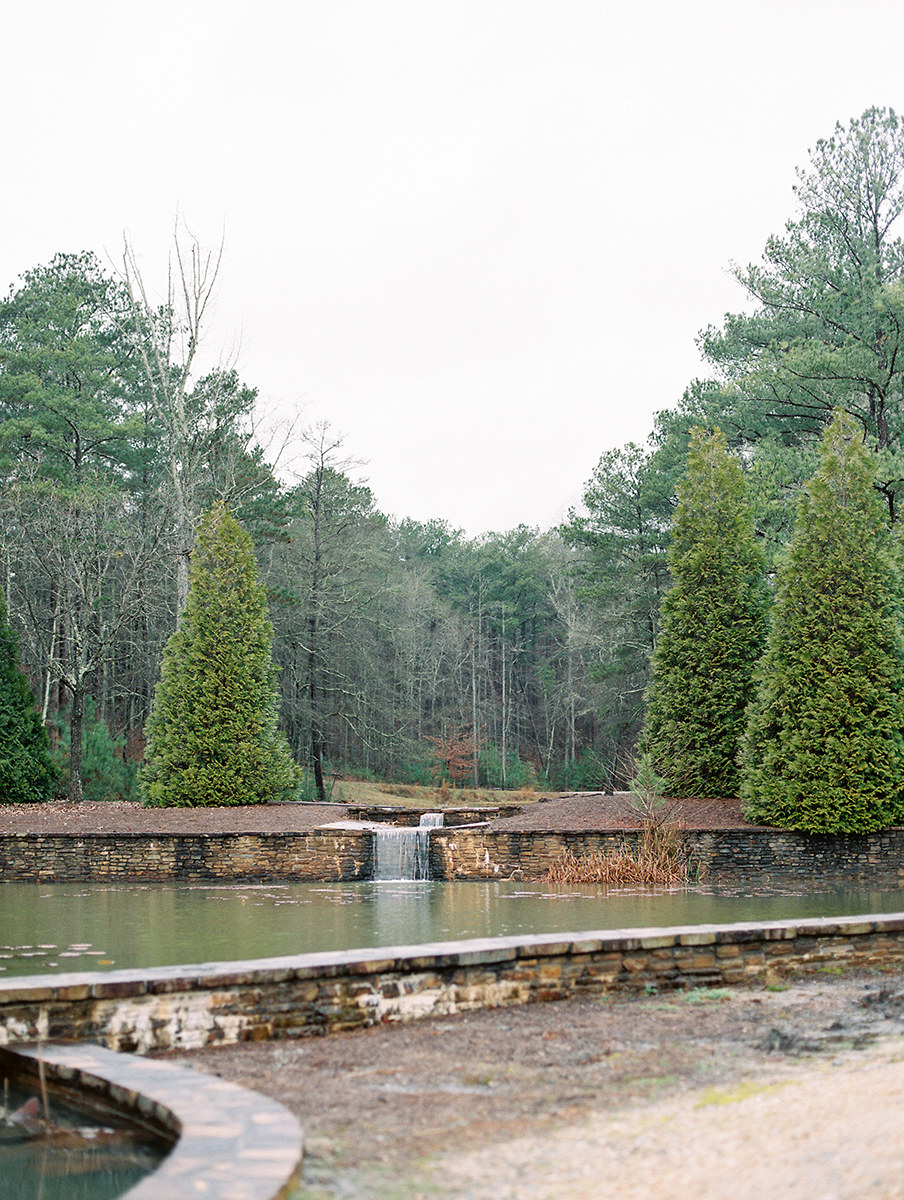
[477, 236]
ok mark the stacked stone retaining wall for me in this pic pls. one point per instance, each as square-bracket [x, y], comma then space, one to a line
[320, 854]
[480, 853]
[723, 857]
[760, 857]
[746, 858]
[395, 815]
[313, 994]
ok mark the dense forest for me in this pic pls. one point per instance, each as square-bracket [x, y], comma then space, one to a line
[406, 649]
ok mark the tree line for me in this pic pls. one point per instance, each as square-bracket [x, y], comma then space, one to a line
[405, 648]
[821, 334]
[799, 710]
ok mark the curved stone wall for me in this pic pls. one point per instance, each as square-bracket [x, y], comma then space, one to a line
[229, 1142]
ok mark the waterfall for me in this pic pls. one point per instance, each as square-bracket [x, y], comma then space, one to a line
[404, 853]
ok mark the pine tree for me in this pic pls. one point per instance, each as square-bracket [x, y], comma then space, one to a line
[212, 736]
[26, 771]
[824, 751]
[713, 628]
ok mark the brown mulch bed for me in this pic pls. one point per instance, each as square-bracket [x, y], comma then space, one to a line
[120, 817]
[586, 811]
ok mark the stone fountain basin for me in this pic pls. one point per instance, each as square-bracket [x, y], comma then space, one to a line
[228, 1142]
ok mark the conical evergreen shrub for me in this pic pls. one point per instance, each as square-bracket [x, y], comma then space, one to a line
[823, 751]
[212, 736]
[27, 773]
[712, 630]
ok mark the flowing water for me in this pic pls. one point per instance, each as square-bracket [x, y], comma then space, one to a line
[404, 852]
[84, 927]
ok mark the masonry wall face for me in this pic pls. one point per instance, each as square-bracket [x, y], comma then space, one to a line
[189, 1007]
[316, 855]
[730, 857]
[763, 856]
[727, 857]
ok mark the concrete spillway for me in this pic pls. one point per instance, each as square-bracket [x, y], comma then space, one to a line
[404, 853]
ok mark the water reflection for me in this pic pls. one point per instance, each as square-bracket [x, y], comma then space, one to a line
[65, 927]
[76, 1160]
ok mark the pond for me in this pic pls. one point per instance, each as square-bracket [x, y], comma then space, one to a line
[78, 1159]
[78, 927]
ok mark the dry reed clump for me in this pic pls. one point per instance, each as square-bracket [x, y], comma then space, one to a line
[657, 861]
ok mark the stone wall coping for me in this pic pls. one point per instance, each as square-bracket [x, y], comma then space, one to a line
[233, 1144]
[168, 835]
[124, 983]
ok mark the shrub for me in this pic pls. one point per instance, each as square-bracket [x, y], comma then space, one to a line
[587, 773]
[713, 628]
[26, 770]
[824, 751]
[212, 736]
[417, 771]
[518, 773]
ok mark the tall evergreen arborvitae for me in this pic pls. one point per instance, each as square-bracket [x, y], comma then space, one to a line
[212, 736]
[824, 750]
[713, 628]
[27, 773]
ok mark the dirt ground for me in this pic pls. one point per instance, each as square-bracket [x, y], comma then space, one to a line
[795, 1090]
[577, 811]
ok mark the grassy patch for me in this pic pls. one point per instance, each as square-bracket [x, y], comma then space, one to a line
[742, 1091]
[701, 995]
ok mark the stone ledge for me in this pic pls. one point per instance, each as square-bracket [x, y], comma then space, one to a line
[126, 983]
[313, 994]
[232, 1144]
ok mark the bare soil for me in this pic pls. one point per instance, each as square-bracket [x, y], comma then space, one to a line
[61, 817]
[797, 1090]
[575, 811]
[587, 811]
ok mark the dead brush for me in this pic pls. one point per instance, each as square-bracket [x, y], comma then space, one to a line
[651, 864]
[657, 860]
[661, 853]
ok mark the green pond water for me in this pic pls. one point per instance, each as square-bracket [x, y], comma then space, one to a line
[78, 927]
[80, 1160]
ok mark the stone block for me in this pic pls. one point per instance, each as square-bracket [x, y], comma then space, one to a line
[728, 950]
